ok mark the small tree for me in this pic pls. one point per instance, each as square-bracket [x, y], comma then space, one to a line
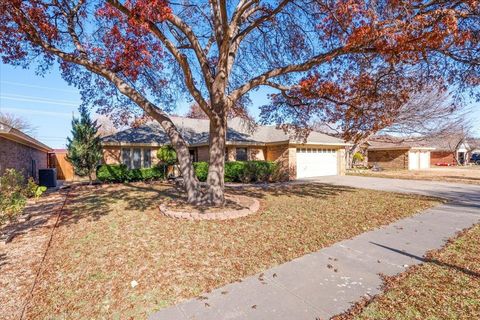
[167, 155]
[358, 157]
[84, 150]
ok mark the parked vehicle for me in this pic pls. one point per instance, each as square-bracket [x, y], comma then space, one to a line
[475, 158]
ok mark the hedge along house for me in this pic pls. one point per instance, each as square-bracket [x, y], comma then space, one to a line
[396, 155]
[21, 152]
[319, 155]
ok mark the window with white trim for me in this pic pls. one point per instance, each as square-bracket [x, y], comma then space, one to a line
[241, 154]
[136, 158]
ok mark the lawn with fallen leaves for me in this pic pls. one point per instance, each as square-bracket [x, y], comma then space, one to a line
[446, 286]
[467, 174]
[114, 256]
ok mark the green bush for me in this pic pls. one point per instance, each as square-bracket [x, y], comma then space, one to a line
[14, 191]
[241, 171]
[112, 173]
[32, 190]
[167, 154]
[257, 171]
[144, 174]
[234, 171]
[120, 173]
[201, 170]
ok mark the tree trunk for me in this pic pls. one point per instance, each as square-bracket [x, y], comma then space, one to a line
[191, 184]
[215, 180]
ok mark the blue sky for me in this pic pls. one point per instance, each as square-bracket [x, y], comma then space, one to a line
[48, 102]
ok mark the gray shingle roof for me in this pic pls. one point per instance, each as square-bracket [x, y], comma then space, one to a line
[195, 132]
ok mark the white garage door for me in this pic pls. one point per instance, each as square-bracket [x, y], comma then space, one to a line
[418, 160]
[316, 162]
[413, 160]
[424, 160]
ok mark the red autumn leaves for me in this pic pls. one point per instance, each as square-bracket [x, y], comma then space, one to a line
[129, 46]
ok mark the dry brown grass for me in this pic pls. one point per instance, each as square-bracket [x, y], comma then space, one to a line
[447, 286]
[469, 175]
[21, 258]
[111, 236]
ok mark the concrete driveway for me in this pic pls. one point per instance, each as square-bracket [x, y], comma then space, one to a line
[327, 282]
[452, 191]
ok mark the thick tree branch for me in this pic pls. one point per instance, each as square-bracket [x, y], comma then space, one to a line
[179, 56]
[263, 78]
[217, 24]
[200, 54]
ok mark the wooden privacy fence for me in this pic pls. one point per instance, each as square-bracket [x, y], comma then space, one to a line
[58, 160]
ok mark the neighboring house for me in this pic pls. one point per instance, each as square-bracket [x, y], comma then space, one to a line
[21, 152]
[450, 150]
[399, 155]
[474, 146]
[320, 155]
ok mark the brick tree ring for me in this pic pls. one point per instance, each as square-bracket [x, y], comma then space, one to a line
[245, 206]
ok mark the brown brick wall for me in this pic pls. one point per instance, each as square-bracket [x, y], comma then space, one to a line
[252, 153]
[341, 162]
[112, 155]
[231, 153]
[441, 157]
[202, 153]
[388, 159]
[256, 153]
[19, 157]
[285, 157]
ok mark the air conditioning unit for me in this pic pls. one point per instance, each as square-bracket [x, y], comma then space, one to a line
[47, 177]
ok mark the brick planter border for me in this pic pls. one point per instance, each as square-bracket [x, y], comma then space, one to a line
[217, 215]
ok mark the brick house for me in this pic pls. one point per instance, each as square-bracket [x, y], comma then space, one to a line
[21, 152]
[319, 155]
[397, 155]
[392, 153]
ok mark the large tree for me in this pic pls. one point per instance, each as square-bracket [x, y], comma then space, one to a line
[146, 53]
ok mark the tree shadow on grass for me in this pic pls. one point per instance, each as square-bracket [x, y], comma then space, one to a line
[145, 196]
[3, 260]
[35, 216]
[93, 202]
[90, 202]
[429, 260]
[259, 191]
[316, 190]
[463, 178]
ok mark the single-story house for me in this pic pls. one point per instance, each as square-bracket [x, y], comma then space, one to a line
[319, 155]
[474, 146]
[399, 155]
[21, 152]
[449, 150]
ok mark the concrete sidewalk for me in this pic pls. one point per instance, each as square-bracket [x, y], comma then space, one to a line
[327, 282]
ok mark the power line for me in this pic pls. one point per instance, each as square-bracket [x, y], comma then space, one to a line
[15, 97]
[34, 111]
[38, 87]
[39, 98]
